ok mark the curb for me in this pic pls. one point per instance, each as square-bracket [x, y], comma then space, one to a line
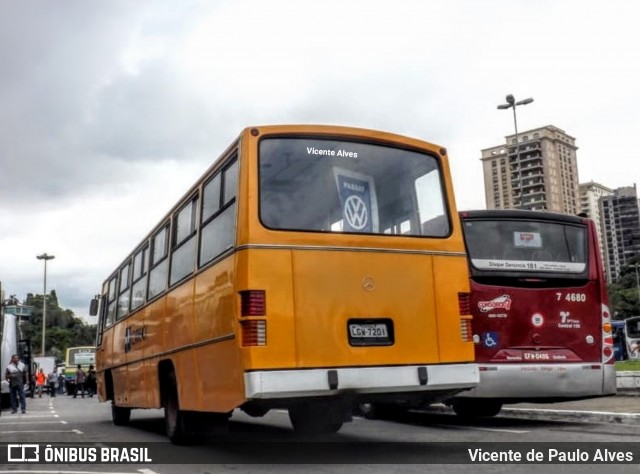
[573, 416]
[549, 414]
[627, 380]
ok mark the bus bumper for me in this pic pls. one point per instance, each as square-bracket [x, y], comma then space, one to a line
[530, 381]
[359, 380]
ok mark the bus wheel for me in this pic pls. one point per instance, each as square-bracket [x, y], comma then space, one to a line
[120, 415]
[176, 420]
[381, 411]
[314, 419]
[475, 408]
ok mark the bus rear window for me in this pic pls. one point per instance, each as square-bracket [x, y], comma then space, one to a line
[341, 186]
[528, 246]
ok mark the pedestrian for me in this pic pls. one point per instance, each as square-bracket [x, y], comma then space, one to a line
[40, 381]
[80, 378]
[32, 385]
[91, 381]
[52, 378]
[16, 375]
[61, 383]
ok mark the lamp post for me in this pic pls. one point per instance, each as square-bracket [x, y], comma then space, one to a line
[44, 257]
[512, 104]
[635, 266]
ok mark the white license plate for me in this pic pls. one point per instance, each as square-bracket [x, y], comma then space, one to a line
[368, 330]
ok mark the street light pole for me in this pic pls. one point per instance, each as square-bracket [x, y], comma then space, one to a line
[44, 257]
[512, 104]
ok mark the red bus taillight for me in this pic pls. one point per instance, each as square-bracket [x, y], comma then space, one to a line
[254, 332]
[607, 336]
[464, 306]
[466, 333]
[464, 303]
[253, 303]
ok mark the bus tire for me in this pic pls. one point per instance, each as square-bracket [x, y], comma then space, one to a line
[316, 419]
[476, 408]
[176, 421]
[120, 415]
[381, 411]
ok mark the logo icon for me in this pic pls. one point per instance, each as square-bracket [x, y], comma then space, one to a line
[537, 320]
[355, 211]
[490, 339]
[23, 453]
[501, 302]
[368, 283]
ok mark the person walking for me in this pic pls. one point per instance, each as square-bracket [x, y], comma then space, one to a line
[16, 375]
[80, 378]
[91, 381]
[62, 382]
[52, 378]
[40, 381]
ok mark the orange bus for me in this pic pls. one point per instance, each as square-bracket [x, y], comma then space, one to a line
[311, 268]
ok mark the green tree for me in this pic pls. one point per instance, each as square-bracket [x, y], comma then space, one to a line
[63, 328]
[624, 295]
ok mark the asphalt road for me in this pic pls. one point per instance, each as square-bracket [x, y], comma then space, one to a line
[418, 442]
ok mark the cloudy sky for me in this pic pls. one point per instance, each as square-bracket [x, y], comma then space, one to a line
[109, 111]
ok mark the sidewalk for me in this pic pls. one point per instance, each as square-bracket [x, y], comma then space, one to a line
[623, 408]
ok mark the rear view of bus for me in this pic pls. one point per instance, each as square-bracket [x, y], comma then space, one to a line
[356, 268]
[542, 325]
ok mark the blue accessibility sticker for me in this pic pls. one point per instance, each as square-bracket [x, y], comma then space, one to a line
[490, 339]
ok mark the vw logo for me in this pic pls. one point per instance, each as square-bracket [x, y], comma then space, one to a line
[355, 211]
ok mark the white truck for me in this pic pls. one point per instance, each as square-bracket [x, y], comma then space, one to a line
[12, 345]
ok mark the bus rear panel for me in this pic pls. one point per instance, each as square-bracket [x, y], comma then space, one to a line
[542, 325]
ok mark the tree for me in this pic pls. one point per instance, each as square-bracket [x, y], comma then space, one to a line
[624, 294]
[63, 328]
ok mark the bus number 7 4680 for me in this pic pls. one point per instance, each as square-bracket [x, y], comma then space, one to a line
[572, 297]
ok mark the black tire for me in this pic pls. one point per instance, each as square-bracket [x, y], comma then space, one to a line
[381, 411]
[176, 421]
[120, 415]
[312, 419]
[476, 408]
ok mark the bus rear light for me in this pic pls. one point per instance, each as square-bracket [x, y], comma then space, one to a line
[254, 332]
[465, 329]
[464, 303]
[253, 303]
[606, 327]
[607, 351]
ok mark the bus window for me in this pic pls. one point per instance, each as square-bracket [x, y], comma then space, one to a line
[368, 189]
[159, 263]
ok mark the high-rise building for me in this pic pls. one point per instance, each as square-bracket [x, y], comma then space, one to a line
[590, 194]
[621, 225]
[541, 173]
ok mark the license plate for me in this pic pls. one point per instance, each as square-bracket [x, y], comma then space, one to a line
[368, 330]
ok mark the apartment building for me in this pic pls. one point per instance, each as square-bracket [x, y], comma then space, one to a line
[621, 229]
[536, 170]
[590, 194]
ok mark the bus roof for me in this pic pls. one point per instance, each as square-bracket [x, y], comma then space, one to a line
[520, 214]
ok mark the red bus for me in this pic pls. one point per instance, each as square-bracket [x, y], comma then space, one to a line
[541, 319]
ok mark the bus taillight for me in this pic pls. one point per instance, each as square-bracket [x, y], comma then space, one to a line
[466, 332]
[253, 303]
[464, 302]
[254, 332]
[607, 335]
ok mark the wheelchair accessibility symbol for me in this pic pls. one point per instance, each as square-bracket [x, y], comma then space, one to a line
[490, 339]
